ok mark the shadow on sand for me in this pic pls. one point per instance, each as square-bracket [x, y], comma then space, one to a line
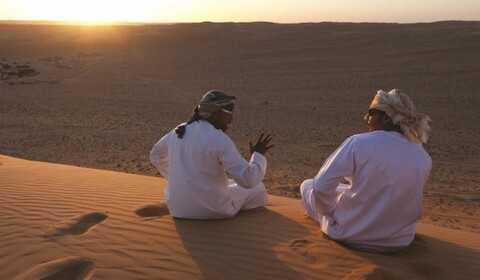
[242, 247]
[426, 258]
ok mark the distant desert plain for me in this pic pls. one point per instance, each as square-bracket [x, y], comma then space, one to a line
[101, 96]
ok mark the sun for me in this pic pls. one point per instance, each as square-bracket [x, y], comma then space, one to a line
[91, 11]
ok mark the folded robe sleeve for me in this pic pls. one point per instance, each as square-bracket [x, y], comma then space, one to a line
[245, 174]
[340, 164]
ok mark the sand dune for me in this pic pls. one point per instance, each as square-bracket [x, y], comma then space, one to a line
[139, 240]
[101, 96]
[104, 95]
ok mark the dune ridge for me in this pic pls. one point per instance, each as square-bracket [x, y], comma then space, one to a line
[277, 241]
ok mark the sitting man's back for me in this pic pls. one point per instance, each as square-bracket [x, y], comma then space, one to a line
[198, 159]
[386, 168]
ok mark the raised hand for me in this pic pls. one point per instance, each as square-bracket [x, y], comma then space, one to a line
[262, 145]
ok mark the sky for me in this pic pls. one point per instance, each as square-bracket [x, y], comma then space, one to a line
[280, 11]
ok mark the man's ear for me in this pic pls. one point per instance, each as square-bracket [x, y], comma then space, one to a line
[214, 115]
[386, 118]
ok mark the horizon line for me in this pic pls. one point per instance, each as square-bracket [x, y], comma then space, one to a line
[135, 23]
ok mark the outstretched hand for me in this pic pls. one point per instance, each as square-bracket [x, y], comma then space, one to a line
[262, 145]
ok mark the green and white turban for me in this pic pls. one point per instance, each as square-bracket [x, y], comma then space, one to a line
[399, 107]
[213, 101]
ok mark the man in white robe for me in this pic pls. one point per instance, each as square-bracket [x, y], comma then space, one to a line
[386, 170]
[207, 176]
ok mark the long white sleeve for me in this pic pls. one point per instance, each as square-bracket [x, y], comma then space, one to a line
[159, 156]
[336, 167]
[245, 174]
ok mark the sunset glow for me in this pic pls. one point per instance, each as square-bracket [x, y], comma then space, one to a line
[280, 11]
[86, 11]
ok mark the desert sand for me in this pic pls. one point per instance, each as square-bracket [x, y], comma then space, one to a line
[64, 222]
[101, 96]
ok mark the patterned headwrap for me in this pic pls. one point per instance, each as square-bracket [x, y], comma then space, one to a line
[399, 107]
[213, 101]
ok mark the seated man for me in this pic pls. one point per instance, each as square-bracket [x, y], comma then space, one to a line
[198, 158]
[386, 168]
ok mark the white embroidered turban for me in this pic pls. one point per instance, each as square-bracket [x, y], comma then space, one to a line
[399, 107]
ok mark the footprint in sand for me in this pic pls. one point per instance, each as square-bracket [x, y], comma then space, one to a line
[152, 210]
[303, 248]
[77, 225]
[299, 243]
[70, 268]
